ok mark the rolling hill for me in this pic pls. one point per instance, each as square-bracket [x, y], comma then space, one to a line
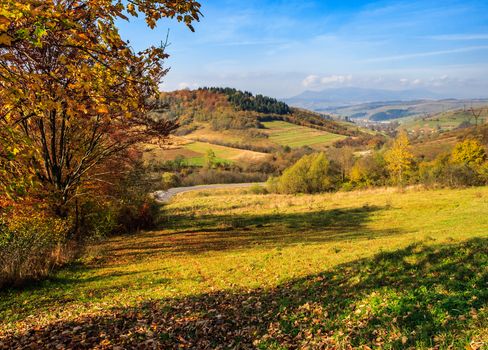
[393, 110]
[241, 127]
[446, 121]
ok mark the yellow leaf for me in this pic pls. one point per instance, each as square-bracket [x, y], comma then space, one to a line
[5, 39]
[102, 109]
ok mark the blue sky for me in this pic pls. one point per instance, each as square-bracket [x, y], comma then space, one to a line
[281, 48]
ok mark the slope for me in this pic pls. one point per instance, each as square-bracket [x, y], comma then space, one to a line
[381, 268]
[217, 117]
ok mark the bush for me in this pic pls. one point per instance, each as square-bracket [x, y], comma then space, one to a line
[258, 189]
[169, 180]
[98, 218]
[31, 245]
[445, 172]
[125, 206]
[310, 174]
[136, 217]
[369, 171]
[469, 152]
[219, 176]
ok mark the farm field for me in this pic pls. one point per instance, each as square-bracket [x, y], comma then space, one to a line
[444, 121]
[287, 134]
[280, 134]
[379, 268]
[194, 152]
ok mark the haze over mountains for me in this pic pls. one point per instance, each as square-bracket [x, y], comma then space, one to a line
[381, 104]
[347, 96]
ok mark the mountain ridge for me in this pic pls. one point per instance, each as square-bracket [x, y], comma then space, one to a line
[333, 97]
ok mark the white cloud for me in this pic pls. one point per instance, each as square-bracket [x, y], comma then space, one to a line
[433, 82]
[336, 79]
[184, 85]
[315, 81]
[310, 81]
[443, 80]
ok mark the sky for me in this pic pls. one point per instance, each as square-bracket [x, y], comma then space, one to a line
[282, 48]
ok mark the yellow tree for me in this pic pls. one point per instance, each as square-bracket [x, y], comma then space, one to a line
[72, 87]
[399, 159]
[470, 153]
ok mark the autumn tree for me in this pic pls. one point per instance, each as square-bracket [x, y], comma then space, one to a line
[210, 160]
[399, 159]
[368, 171]
[310, 174]
[74, 89]
[476, 114]
[16, 176]
[469, 152]
[344, 158]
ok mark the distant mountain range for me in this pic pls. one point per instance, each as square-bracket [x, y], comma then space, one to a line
[380, 105]
[347, 96]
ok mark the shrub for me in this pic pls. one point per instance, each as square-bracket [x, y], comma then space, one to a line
[444, 172]
[258, 189]
[310, 174]
[169, 180]
[483, 173]
[219, 176]
[369, 171]
[138, 216]
[98, 219]
[469, 152]
[122, 205]
[31, 245]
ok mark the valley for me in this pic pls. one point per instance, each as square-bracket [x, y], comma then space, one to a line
[158, 191]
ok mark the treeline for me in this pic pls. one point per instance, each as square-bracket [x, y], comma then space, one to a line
[231, 109]
[246, 101]
[317, 121]
[179, 172]
[390, 114]
[196, 106]
[340, 169]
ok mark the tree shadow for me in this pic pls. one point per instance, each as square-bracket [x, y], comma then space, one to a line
[195, 235]
[420, 296]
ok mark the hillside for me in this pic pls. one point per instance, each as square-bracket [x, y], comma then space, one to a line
[446, 121]
[428, 144]
[374, 269]
[212, 118]
[391, 110]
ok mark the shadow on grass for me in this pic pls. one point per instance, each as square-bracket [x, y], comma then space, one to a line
[195, 235]
[419, 297]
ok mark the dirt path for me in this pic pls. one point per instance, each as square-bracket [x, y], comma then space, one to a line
[165, 196]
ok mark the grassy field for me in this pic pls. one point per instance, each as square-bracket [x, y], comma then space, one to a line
[444, 121]
[379, 268]
[287, 134]
[194, 153]
[280, 133]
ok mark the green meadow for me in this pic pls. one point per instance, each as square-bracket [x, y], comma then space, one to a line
[287, 134]
[379, 268]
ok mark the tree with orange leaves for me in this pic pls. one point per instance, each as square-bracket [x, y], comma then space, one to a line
[74, 89]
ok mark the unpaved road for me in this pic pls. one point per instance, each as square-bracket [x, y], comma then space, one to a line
[165, 196]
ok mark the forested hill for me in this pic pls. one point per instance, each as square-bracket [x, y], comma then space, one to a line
[244, 100]
[231, 109]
